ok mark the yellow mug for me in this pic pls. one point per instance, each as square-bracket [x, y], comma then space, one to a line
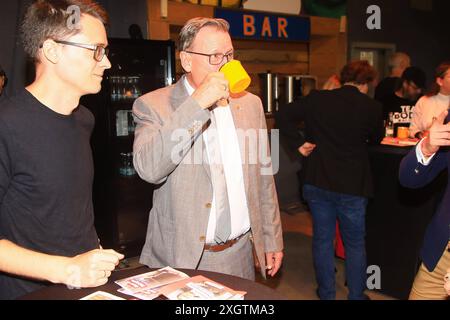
[236, 75]
[402, 132]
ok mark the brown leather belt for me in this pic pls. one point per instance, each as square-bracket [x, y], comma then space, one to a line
[223, 246]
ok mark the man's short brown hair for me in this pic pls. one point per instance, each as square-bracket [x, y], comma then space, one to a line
[193, 27]
[50, 19]
[358, 72]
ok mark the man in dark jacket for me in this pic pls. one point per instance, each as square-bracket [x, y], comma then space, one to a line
[421, 166]
[339, 124]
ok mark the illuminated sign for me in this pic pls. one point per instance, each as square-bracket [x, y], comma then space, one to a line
[265, 26]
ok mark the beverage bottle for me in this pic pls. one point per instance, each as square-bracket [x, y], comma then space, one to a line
[390, 125]
[114, 88]
[123, 169]
[130, 167]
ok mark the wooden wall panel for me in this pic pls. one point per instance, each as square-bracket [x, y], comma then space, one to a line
[324, 55]
[323, 58]
[261, 57]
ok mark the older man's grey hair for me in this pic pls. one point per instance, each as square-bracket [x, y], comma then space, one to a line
[399, 60]
[193, 26]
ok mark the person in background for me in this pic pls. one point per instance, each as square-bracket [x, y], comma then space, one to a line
[398, 63]
[410, 87]
[433, 104]
[332, 83]
[47, 232]
[338, 180]
[3, 80]
[211, 200]
[419, 168]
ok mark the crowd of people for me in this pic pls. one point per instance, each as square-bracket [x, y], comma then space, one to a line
[338, 127]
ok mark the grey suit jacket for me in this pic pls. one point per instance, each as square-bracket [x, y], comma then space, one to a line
[182, 199]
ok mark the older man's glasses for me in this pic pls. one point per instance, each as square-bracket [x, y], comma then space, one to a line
[215, 58]
[99, 51]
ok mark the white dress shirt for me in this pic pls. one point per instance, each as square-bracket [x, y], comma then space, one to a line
[230, 154]
[420, 156]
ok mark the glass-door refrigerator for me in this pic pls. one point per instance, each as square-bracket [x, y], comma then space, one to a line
[122, 200]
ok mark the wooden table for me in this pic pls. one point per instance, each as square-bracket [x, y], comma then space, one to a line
[255, 291]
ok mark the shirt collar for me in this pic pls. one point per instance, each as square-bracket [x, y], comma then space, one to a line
[441, 96]
[188, 86]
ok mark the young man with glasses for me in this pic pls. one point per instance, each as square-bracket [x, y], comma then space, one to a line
[47, 232]
[211, 200]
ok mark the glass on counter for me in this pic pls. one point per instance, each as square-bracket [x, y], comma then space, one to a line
[402, 132]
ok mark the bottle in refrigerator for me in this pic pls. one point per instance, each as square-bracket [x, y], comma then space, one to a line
[115, 88]
[131, 123]
[122, 123]
[390, 125]
[135, 90]
[130, 167]
[123, 168]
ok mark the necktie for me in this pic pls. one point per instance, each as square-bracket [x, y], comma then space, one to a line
[223, 219]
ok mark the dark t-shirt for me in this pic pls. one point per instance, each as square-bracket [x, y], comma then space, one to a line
[393, 103]
[46, 175]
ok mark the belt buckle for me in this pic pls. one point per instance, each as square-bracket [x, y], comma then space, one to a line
[215, 247]
[227, 244]
[220, 247]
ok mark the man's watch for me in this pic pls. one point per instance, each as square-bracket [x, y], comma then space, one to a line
[419, 135]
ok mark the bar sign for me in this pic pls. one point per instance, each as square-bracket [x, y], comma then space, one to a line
[265, 26]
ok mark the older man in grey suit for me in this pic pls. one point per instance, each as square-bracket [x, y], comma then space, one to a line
[213, 199]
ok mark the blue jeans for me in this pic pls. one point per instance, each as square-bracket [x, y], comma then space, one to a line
[326, 207]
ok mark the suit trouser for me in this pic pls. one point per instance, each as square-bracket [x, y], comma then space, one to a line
[430, 285]
[236, 260]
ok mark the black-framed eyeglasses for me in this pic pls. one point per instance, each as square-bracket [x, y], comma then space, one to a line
[215, 58]
[99, 50]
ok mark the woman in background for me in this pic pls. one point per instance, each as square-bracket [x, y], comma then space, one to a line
[433, 104]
